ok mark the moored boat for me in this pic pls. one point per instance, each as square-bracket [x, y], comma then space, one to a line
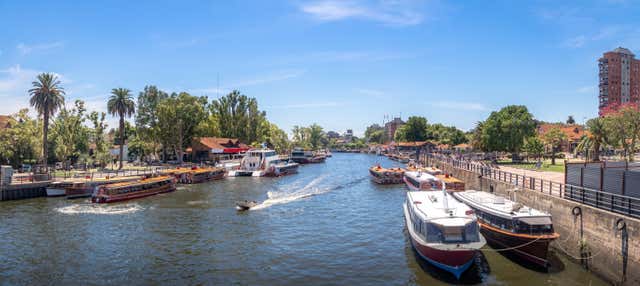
[386, 176]
[57, 189]
[264, 162]
[419, 181]
[524, 231]
[453, 184]
[302, 156]
[132, 190]
[84, 188]
[443, 231]
[200, 175]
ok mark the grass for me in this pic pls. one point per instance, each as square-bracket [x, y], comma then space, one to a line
[546, 165]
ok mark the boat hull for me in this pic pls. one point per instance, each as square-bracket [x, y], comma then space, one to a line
[454, 261]
[135, 195]
[388, 179]
[206, 177]
[528, 248]
[79, 192]
[288, 170]
[55, 192]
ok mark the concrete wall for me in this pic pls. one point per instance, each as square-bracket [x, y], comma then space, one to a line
[603, 240]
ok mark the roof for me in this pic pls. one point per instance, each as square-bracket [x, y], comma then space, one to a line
[430, 206]
[622, 50]
[4, 121]
[220, 143]
[574, 132]
[498, 205]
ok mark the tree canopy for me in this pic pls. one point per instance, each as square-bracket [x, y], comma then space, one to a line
[506, 130]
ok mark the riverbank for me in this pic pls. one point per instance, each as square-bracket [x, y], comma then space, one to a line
[327, 225]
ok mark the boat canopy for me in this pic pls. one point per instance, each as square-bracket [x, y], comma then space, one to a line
[545, 220]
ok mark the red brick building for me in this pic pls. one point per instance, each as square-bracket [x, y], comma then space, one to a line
[619, 73]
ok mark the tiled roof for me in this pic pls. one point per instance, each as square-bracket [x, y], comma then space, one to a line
[574, 132]
[220, 143]
[4, 121]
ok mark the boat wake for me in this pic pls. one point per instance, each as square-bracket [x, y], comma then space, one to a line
[99, 209]
[313, 188]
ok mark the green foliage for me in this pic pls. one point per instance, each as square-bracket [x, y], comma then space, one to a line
[554, 138]
[623, 129]
[121, 104]
[415, 129]
[70, 135]
[375, 134]
[101, 151]
[311, 137]
[534, 147]
[446, 134]
[22, 141]
[505, 130]
[596, 138]
[238, 116]
[47, 97]
[178, 117]
[147, 130]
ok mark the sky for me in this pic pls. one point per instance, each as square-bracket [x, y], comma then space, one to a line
[341, 64]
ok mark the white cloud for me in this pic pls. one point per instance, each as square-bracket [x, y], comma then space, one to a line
[587, 89]
[275, 76]
[25, 49]
[305, 105]
[393, 13]
[458, 105]
[576, 42]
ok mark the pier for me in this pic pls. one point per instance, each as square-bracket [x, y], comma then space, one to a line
[23, 190]
[598, 231]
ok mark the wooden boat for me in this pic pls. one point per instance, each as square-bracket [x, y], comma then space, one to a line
[452, 184]
[443, 231]
[386, 176]
[506, 224]
[194, 175]
[302, 156]
[84, 188]
[133, 190]
[245, 205]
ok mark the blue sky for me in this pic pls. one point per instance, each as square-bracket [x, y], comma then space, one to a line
[341, 64]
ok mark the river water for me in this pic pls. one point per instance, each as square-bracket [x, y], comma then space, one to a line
[327, 225]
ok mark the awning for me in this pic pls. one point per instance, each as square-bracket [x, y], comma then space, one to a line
[536, 220]
[229, 150]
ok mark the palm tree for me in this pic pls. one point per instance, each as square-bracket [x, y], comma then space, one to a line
[121, 104]
[597, 136]
[47, 97]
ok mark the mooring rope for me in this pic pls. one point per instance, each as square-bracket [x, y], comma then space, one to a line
[515, 247]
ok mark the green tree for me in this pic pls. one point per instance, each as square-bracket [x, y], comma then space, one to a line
[101, 151]
[317, 137]
[121, 104]
[505, 130]
[554, 138]
[238, 116]
[70, 134]
[374, 134]
[534, 147]
[477, 141]
[623, 128]
[147, 129]
[47, 97]
[20, 143]
[178, 117]
[595, 138]
[415, 129]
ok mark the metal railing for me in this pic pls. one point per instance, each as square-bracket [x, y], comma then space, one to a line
[620, 204]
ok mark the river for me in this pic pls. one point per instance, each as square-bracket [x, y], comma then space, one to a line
[327, 225]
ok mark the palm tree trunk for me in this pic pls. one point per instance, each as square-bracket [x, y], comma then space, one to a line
[45, 133]
[121, 141]
[596, 152]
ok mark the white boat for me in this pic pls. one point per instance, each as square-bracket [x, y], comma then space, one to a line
[57, 189]
[232, 163]
[420, 181]
[443, 231]
[263, 162]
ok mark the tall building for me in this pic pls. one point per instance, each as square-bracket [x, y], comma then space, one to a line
[391, 127]
[619, 80]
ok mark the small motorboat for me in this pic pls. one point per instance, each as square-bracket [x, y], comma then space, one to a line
[245, 205]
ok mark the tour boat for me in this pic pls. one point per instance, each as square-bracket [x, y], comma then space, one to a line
[452, 184]
[57, 189]
[526, 232]
[86, 187]
[195, 175]
[230, 163]
[302, 156]
[443, 231]
[132, 190]
[264, 162]
[419, 181]
[386, 176]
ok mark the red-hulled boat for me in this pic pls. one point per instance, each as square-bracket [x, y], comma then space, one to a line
[443, 231]
[526, 232]
[133, 190]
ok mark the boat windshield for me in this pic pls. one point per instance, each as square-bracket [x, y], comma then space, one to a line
[533, 225]
[436, 233]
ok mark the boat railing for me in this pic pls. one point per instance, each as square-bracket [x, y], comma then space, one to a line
[617, 203]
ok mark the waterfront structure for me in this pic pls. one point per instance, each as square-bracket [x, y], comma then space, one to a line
[391, 127]
[213, 148]
[619, 73]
